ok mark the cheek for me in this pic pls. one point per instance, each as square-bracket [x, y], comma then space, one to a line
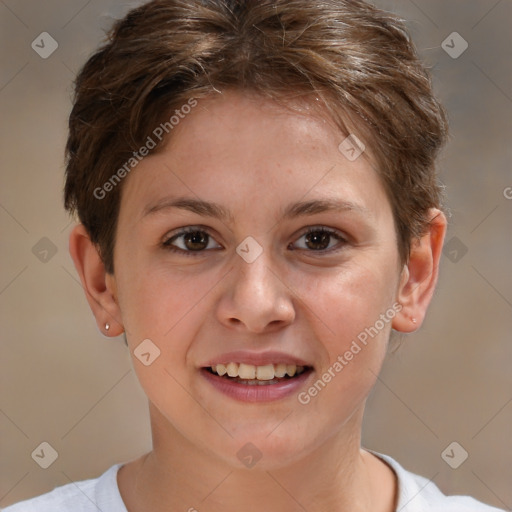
[167, 307]
[352, 313]
[157, 300]
[348, 300]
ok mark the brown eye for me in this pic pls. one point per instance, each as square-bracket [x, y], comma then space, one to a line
[196, 240]
[319, 239]
[191, 240]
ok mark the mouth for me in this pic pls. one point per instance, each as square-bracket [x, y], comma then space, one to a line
[252, 375]
[257, 383]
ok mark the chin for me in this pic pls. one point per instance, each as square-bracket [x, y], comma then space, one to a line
[265, 452]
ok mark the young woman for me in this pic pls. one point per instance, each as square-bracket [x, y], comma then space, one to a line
[258, 209]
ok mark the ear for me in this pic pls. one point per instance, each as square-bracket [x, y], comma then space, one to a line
[419, 275]
[99, 286]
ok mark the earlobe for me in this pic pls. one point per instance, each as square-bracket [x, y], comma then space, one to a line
[99, 286]
[419, 275]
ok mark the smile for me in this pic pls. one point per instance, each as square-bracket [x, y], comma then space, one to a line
[257, 383]
[257, 375]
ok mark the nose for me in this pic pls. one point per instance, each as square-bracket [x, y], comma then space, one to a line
[255, 298]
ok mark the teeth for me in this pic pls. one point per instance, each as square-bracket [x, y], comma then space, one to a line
[280, 370]
[265, 372]
[232, 369]
[247, 371]
[251, 372]
[220, 369]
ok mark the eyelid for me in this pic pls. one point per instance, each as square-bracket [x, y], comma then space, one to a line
[169, 237]
[176, 233]
[187, 229]
[339, 235]
[327, 229]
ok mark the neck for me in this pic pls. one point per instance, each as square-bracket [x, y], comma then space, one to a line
[336, 475]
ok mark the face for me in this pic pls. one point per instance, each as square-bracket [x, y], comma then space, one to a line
[252, 240]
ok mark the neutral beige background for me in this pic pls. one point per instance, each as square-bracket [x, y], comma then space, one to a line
[63, 383]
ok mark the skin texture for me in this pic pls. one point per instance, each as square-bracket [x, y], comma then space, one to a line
[255, 158]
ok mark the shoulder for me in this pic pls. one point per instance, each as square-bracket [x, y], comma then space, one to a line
[418, 494]
[86, 496]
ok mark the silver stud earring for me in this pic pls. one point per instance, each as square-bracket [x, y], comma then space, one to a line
[413, 320]
[107, 327]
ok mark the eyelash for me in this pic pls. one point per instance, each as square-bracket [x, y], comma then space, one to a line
[328, 231]
[167, 244]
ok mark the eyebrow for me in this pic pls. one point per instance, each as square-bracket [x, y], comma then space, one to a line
[323, 205]
[210, 209]
[193, 205]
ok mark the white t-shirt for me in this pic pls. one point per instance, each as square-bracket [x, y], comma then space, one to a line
[415, 494]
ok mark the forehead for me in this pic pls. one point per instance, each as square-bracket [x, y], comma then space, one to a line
[240, 123]
[238, 147]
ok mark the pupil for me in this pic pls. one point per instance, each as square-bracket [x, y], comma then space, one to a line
[318, 240]
[196, 240]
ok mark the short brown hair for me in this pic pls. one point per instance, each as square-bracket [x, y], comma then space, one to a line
[358, 59]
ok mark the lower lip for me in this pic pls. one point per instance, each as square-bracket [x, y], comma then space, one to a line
[256, 393]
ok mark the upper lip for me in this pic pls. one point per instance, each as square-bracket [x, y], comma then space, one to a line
[256, 358]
